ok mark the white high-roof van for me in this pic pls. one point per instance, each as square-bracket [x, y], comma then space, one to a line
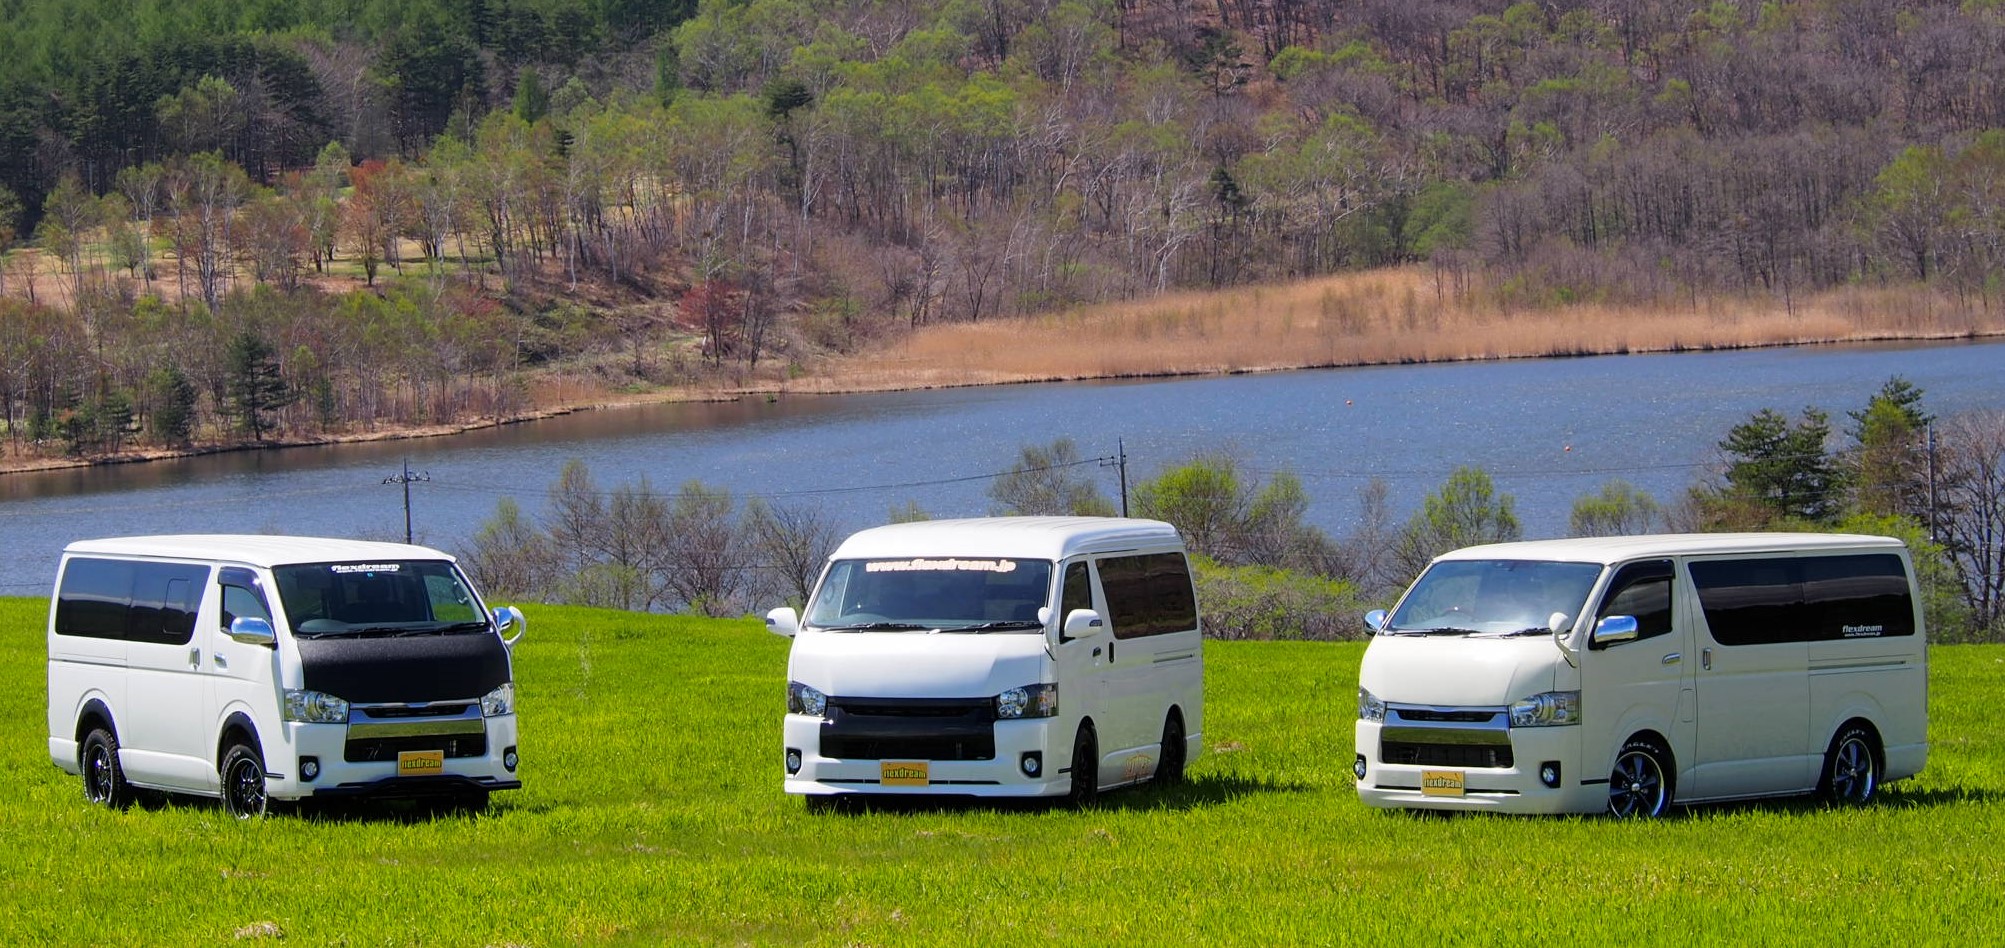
[257, 668]
[1014, 656]
[1627, 674]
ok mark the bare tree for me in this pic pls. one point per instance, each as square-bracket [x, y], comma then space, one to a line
[1971, 511]
[1049, 480]
[789, 545]
[703, 569]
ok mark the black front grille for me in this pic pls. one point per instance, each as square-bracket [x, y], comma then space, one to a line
[386, 748]
[1457, 716]
[909, 729]
[977, 747]
[419, 711]
[1445, 755]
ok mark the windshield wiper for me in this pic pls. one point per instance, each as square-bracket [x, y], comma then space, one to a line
[997, 626]
[458, 627]
[1442, 630]
[878, 627]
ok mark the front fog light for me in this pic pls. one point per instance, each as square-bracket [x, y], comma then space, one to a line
[1032, 763]
[1549, 774]
[793, 761]
[1358, 766]
[508, 759]
[309, 768]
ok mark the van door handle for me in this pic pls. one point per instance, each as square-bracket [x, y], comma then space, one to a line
[1674, 658]
[218, 658]
[1706, 659]
[1096, 651]
[195, 658]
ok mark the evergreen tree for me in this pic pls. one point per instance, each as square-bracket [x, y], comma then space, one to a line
[1784, 467]
[173, 396]
[256, 387]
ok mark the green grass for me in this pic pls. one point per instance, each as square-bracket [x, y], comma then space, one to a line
[653, 813]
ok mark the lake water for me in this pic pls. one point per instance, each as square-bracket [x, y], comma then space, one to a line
[1547, 430]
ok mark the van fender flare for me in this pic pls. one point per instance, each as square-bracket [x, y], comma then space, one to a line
[1597, 761]
[93, 706]
[1853, 706]
[239, 721]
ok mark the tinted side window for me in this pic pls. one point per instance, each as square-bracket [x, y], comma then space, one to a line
[1857, 596]
[242, 596]
[165, 597]
[124, 599]
[94, 598]
[1078, 592]
[1643, 591]
[1804, 599]
[1148, 594]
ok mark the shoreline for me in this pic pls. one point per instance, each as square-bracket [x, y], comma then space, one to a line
[831, 384]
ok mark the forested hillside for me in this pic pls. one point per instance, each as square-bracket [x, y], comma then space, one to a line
[309, 215]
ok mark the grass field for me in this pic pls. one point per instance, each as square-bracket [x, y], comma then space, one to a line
[653, 813]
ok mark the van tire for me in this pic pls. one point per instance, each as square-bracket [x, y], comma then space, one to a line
[1170, 772]
[1085, 766]
[1851, 767]
[104, 778]
[1640, 784]
[243, 774]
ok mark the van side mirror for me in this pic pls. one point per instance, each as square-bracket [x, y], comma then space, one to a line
[1083, 624]
[507, 619]
[1375, 621]
[783, 622]
[252, 630]
[1613, 630]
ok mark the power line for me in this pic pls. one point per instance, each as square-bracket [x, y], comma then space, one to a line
[405, 479]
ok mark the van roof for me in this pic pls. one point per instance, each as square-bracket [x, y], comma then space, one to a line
[1044, 538]
[254, 549]
[1607, 550]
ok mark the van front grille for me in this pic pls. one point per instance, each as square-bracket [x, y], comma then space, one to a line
[1497, 756]
[385, 748]
[909, 729]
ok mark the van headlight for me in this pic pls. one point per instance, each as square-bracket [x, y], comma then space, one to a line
[1550, 709]
[499, 701]
[1369, 707]
[315, 707]
[802, 699]
[1029, 701]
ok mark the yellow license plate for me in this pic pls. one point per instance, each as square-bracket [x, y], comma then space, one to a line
[421, 763]
[903, 773]
[1441, 783]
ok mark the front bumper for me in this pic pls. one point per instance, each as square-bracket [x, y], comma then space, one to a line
[339, 777]
[1513, 788]
[999, 776]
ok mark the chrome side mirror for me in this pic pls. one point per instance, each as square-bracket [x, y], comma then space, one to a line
[507, 618]
[783, 622]
[252, 630]
[1613, 630]
[1375, 621]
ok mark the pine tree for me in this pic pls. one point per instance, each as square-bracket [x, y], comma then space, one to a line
[256, 387]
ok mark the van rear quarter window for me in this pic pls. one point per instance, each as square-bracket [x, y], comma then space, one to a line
[1149, 594]
[131, 600]
[1804, 599]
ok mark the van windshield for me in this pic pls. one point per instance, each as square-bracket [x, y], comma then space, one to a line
[412, 597]
[932, 595]
[1492, 597]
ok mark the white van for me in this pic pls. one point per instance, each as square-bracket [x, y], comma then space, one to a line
[257, 668]
[1014, 656]
[1626, 674]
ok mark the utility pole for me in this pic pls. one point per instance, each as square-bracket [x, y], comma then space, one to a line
[1120, 461]
[1929, 427]
[405, 479]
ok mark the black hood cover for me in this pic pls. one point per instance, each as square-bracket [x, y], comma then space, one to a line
[405, 669]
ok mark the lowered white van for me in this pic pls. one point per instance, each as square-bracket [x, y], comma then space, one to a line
[1014, 656]
[1626, 674]
[258, 668]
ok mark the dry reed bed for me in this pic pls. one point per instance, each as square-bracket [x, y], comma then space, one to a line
[1388, 316]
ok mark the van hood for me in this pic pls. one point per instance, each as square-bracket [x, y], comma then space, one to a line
[1459, 671]
[915, 664]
